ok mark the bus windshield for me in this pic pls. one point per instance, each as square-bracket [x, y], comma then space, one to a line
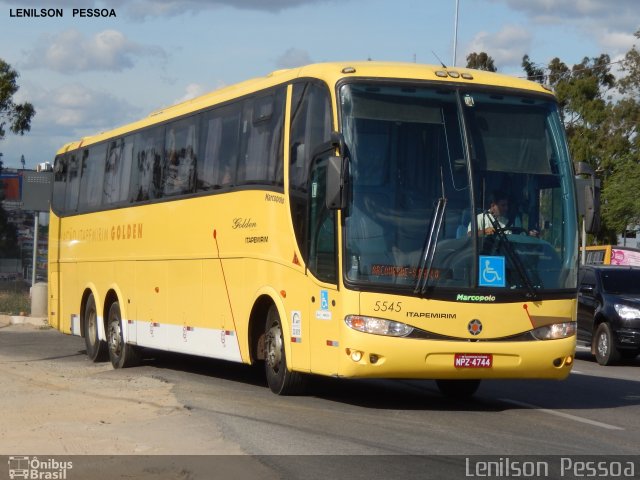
[454, 189]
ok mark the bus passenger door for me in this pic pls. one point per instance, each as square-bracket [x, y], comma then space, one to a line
[310, 118]
[323, 275]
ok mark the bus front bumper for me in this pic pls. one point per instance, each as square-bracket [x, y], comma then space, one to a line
[370, 356]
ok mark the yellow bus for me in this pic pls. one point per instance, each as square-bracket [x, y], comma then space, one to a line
[612, 255]
[327, 220]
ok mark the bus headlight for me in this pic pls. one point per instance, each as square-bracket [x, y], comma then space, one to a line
[378, 326]
[555, 331]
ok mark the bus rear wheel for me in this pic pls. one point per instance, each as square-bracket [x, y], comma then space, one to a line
[281, 381]
[121, 354]
[458, 388]
[96, 348]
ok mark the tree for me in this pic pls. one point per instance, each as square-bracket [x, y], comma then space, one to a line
[534, 73]
[584, 107]
[621, 205]
[602, 129]
[630, 84]
[16, 116]
[481, 61]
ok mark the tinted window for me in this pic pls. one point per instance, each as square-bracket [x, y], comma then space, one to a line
[59, 182]
[219, 157]
[117, 172]
[92, 176]
[262, 130]
[73, 182]
[621, 281]
[310, 127]
[181, 146]
[148, 155]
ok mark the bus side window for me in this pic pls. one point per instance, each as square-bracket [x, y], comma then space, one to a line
[310, 127]
[59, 183]
[148, 154]
[262, 133]
[73, 183]
[216, 166]
[181, 145]
[93, 160]
[322, 234]
[117, 171]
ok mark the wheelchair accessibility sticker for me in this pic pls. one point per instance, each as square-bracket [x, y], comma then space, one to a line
[324, 313]
[491, 272]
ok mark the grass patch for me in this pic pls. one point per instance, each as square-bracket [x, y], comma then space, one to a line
[15, 299]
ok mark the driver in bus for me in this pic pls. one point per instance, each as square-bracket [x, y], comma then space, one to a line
[498, 212]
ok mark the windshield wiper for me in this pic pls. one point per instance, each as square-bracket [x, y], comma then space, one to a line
[513, 256]
[429, 248]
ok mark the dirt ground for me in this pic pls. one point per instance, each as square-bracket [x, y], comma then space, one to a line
[55, 402]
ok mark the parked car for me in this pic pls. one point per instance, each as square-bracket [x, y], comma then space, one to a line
[609, 312]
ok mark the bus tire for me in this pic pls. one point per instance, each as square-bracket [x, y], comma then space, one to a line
[96, 348]
[121, 354]
[458, 388]
[280, 379]
[604, 346]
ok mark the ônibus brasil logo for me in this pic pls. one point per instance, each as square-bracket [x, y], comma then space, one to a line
[33, 468]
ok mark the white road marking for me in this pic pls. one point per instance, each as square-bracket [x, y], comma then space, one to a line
[563, 415]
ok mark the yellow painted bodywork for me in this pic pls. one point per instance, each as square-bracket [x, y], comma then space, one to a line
[196, 262]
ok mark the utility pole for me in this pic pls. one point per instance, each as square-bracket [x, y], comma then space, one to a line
[455, 34]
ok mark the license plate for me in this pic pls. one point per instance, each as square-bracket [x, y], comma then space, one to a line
[473, 360]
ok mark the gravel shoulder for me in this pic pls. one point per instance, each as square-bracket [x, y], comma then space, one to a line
[55, 401]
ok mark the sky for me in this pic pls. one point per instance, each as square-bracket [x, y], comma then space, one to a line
[87, 74]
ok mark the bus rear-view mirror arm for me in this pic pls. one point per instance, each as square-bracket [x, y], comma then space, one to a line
[335, 195]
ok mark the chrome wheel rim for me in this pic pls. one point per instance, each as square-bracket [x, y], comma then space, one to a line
[92, 325]
[603, 345]
[274, 347]
[115, 344]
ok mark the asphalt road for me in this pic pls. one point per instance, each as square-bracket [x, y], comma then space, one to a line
[180, 405]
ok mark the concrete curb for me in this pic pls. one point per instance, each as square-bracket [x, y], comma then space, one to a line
[6, 320]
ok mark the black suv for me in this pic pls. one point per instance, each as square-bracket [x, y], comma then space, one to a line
[609, 312]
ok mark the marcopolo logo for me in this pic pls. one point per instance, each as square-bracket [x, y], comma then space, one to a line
[37, 469]
[475, 298]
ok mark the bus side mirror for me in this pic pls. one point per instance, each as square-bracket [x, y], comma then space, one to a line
[592, 207]
[335, 192]
[589, 190]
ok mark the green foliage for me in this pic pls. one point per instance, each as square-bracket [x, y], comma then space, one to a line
[8, 237]
[17, 116]
[630, 84]
[14, 298]
[621, 206]
[481, 61]
[534, 73]
[601, 115]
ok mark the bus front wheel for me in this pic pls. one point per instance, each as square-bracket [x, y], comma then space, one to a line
[96, 348]
[121, 354]
[458, 388]
[281, 381]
